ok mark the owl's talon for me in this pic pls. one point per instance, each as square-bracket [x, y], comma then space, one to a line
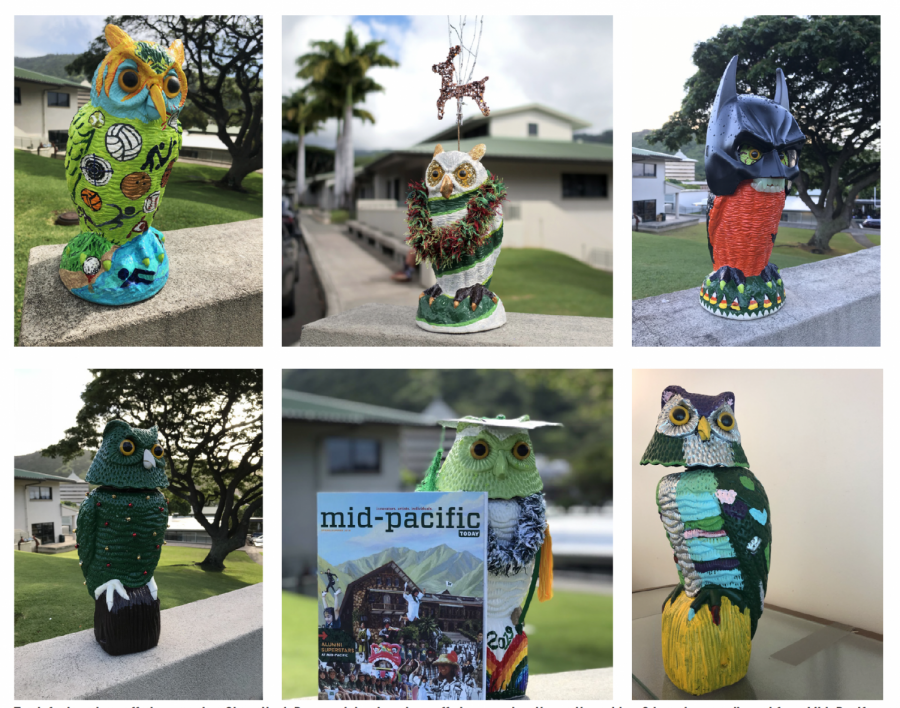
[673, 596]
[111, 587]
[430, 301]
[474, 306]
[455, 304]
[432, 293]
[151, 586]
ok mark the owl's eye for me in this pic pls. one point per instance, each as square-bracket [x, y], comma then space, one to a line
[479, 450]
[126, 447]
[157, 451]
[521, 451]
[679, 415]
[726, 421]
[129, 80]
[749, 154]
[783, 157]
[173, 86]
[434, 174]
[465, 175]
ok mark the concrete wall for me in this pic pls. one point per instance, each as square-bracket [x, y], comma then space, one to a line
[33, 117]
[305, 472]
[36, 511]
[815, 566]
[643, 188]
[515, 125]
[208, 650]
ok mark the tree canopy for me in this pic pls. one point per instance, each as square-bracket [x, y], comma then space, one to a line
[223, 66]
[832, 65]
[210, 424]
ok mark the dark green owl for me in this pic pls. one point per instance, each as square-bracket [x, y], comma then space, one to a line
[121, 530]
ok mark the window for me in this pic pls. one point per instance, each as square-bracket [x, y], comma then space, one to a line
[643, 169]
[54, 98]
[189, 153]
[532, 130]
[479, 131]
[584, 185]
[58, 138]
[40, 493]
[645, 209]
[18, 96]
[353, 455]
[43, 532]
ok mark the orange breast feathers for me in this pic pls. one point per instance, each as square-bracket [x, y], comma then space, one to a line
[741, 226]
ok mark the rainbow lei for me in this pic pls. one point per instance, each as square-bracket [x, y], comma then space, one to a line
[446, 245]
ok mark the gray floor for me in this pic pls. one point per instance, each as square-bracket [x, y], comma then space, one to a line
[847, 667]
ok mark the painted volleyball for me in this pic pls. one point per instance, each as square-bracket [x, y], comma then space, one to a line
[123, 142]
[91, 199]
[96, 170]
[136, 185]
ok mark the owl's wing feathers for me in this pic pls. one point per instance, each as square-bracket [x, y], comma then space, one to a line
[86, 532]
[748, 524]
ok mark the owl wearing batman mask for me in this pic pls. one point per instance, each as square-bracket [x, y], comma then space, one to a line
[752, 146]
[717, 520]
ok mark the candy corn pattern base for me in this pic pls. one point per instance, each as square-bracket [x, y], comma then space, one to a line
[752, 299]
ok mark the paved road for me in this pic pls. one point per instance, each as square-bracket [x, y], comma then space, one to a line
[350, 273]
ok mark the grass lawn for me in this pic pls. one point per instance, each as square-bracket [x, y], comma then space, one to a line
[190, 200]
[571, 632]
[545, 282]
[50, 599]
[664, 263]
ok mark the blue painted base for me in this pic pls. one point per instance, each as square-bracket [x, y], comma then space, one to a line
[130, 279]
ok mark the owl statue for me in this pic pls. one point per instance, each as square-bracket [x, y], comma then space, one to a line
[752, 146]
[495, 455]
[121, 149]
[455, 220]
[121, 529]
[716, 516]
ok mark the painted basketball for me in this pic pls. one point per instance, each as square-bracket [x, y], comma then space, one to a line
[136, 185]
[123, 142]
[91, 199]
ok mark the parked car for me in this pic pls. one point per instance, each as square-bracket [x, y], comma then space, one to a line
[257, 540]
[289, 218]
[290, 270]
[872, 223]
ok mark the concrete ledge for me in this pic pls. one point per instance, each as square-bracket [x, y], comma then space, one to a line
[587, 685]
[208, 650]
[213, 297]
[378, 325]
[830, 303]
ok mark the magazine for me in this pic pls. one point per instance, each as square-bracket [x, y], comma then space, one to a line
[401, 580]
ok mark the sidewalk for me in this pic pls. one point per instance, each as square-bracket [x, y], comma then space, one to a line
[349, 275]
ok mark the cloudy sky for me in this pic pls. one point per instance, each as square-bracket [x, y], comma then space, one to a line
[55, 34]
[662, 74]
[563, 62]
[46, 406]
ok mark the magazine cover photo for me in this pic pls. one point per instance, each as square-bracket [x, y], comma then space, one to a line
[401, 582]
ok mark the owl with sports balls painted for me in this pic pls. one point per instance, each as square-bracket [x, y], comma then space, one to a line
[119, 157]
[752, 146]
[120, 533]
[455, 221]
[495, 455]
[717, 519]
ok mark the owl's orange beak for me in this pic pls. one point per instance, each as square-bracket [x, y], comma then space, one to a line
[446, 187]
[703, 429]
[157, 97]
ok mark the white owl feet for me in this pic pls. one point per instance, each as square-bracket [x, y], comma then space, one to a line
[111, 587]
[151, 586]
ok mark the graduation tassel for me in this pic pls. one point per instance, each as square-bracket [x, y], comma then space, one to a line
[545, 580]
[429, 484]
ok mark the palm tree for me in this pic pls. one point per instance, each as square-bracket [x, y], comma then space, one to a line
[302, 112]
[338, 74]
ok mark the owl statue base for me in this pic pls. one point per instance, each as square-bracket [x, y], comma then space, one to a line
[131, 626]
[98, 271]
[448, 315]
[743, 298]
[703, 651]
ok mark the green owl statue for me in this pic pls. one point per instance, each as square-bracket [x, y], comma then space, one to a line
[495, 455]
[121, 531]
[121, 148]
[717, 520]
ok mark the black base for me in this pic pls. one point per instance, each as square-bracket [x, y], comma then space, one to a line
[132, 626]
